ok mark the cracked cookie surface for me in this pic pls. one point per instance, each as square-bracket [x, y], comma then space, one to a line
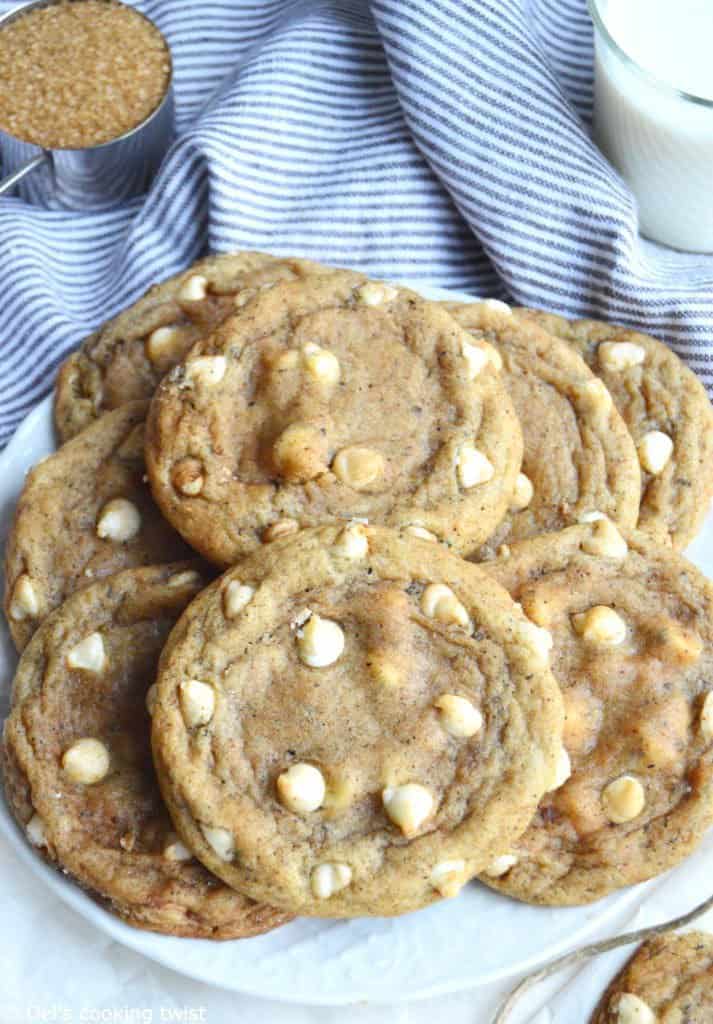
[84, 512]
[632, 629]
[354, 722]
[578, 455]
[328, 399]
[77, 762]
[669, 980]
[667, 411]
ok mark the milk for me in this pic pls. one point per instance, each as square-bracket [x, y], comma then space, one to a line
[660, 141]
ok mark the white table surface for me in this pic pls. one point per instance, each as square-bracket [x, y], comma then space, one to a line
[56, 967]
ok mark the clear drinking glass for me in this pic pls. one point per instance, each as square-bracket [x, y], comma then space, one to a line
[659, 138]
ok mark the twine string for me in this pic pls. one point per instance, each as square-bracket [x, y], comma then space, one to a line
[578, 956]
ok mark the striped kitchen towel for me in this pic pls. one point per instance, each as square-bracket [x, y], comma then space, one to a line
[439, 140]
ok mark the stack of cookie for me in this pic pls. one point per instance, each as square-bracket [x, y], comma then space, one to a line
[452, 636]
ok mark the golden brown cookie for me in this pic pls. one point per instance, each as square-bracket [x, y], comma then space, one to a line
[578, 454]
[354, 722]
[84, 512]
[668, 414]
[126, 357]
[669, 980]
[326, 399]
[632, 624]
[77, 759]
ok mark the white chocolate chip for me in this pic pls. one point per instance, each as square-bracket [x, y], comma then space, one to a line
[458, 716]
[352, 542]
[601, 625]
[537, 639]
[282, 528]
[162, 343]
[416, 530]
[35, 829]
[439, 602]
[620, 355]
[522, 495]
[498, 305]
[604, 540]
[120, 520]
[25, 603]
[187, 578]
[358, 467]
[89, 654]
[327, 879]
[373, 293]
[236, 597]
[301, 788]
[408, 806]
[151, 698]
[655, 450]
[707, 717]
[563, 769]
[590, 517]
[475, 357]
[187, 477]
[623, 799]
[677, 643]
[192, 487]
[194, 289]
[494, 356]
[448, 877]
[632, 1010]
[384, 668]
[321, 364]
[86, 761]
[220, 840]
[197, 702]
[501, 865]
[320, 642]
[473, 467]
[206, 371]
[300, 452]
[175, 850]
[596, 394]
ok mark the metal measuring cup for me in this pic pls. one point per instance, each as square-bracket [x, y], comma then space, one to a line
[95, 177]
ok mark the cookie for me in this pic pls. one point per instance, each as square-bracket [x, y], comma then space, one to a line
[632, 624]
[84, 512]
[354, 722]
[669, 980]
[126, 357]
[77, 759]
[327, 399]
[668, 414]
[578, 455]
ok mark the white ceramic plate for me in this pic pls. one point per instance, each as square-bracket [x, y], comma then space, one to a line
[478, 938]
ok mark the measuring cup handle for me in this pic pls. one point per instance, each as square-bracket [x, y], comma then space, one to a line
[12, 179]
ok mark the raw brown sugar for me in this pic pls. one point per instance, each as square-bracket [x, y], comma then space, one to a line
[77, 74]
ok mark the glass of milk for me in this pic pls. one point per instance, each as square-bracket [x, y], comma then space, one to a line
[653, 111]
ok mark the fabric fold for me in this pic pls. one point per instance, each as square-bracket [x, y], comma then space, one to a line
[434, 140]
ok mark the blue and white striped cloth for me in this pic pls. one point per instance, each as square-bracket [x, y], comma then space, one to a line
[440, 140]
